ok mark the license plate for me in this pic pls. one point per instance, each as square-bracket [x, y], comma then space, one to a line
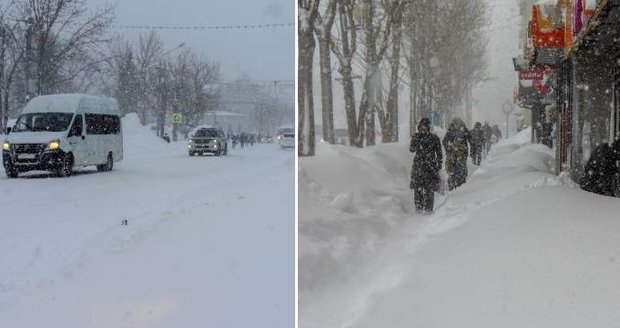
[26, 156]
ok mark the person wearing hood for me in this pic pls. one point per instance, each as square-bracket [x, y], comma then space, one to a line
[601, 170]
[456, 143]
[426, 166]
[477, 136]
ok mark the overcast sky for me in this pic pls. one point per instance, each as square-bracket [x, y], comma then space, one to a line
[262, 54]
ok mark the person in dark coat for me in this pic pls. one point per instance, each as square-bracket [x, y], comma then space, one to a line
[477, 137]
[600, 170]
[487, 132]
[426, 165]
[615, 149]
[456, 143]
[497, 134]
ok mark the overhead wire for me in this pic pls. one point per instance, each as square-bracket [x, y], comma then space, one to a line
[204, 27]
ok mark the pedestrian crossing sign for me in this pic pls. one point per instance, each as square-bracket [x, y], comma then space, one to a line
[177, 118]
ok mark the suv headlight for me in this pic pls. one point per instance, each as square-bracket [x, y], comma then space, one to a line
[6, 145]
[53, 145]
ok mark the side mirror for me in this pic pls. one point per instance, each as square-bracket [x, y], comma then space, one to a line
[8, 130]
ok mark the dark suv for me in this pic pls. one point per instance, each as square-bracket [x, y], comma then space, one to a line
[208, 140]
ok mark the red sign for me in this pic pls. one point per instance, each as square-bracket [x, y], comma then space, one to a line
[531, 74]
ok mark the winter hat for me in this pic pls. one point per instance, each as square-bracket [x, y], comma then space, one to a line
[425, 122]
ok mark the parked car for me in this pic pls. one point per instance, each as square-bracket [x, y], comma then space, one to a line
[208, 140]
[59, 132]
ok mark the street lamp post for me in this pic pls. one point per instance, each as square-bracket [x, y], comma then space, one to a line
[161, 99]
[507, 109]
[208, 88]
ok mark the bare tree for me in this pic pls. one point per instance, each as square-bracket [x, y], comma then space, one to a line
[444, 54]
[308, 13]
[149, 49]
[377, 25]
[389, 118]
[190, 75]
[11, 56]
[345, 51]
[323, 32]
[63, 30]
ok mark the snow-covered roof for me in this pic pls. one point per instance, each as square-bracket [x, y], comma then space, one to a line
[70, 103]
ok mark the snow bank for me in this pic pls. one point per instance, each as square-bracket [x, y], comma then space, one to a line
[138, 138]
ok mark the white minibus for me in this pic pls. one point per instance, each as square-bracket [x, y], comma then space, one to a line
[60, 132]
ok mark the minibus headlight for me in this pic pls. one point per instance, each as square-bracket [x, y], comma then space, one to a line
[6, 145]
[53, 145]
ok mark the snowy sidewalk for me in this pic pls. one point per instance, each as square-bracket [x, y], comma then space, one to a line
[515, 247]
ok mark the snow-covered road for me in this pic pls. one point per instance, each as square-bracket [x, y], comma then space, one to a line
[207, 239]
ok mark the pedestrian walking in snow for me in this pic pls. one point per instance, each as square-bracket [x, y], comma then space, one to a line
[478, 143]
[426, 165]
[487, 133]
[497, 134]
[600, 171]
[456, 143]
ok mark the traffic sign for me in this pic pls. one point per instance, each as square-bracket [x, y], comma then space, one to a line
[177, 118]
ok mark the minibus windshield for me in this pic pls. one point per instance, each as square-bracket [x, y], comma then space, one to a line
[34, 122]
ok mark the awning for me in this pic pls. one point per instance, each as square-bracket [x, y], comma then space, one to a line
[603, 29]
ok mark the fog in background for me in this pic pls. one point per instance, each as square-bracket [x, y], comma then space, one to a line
[503, 35]
[258, 54]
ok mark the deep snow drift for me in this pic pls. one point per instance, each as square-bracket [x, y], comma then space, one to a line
[516, 246]
[209, 240]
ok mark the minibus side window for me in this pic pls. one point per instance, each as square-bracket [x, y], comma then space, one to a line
[102, 124]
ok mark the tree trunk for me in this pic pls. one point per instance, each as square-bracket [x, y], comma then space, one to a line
[305, 102]
[346, 71]
[413, 96]
[391, 131]
[2, 77]
[349, 103]
[327, 99]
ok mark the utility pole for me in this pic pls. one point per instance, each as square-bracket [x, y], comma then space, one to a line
[161, 97]
[507, 109]
[28, 62]
[161, 101]
[2, 58]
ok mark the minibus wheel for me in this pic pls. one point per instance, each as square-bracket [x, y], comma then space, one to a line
[66, 166]
[11, 172]
[109, 164]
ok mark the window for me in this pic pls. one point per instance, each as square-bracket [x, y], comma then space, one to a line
[102, 124]
[206, 133]
[53, 122]
[76, 129]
